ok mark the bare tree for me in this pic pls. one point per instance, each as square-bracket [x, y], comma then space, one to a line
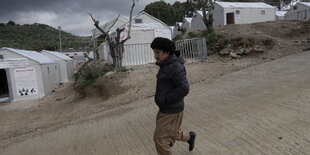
[206, 5]
[115, 43]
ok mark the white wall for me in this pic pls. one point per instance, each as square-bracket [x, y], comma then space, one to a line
[50, 74]
[218, 15]
[187, 26]
[197, 22]
[247, 15]
[61, 68]
[70, 68]
[252, 15]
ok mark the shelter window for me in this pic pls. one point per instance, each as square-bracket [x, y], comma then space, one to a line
[75, 54]
[295, 7]
[138, 20]
[1, 56]
[263, 12]
[48, 70]
[238, 12]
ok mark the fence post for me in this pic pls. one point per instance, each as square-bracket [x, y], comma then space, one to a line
[204, 47]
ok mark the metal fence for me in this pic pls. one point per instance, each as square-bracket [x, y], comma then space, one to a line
[192, 49]
[141, 55]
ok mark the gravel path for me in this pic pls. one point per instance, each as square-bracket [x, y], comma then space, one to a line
[263, 109]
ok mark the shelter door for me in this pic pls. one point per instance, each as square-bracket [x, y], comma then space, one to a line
[230, 18]
[4, 89]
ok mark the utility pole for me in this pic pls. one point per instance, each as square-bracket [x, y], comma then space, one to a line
[60, 47]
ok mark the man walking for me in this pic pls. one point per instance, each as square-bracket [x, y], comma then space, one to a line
[172, 86]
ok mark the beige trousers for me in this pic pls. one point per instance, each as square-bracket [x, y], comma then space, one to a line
[168, 131]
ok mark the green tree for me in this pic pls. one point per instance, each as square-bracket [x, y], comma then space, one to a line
[11, 23]
[206, 5]
[163, 11]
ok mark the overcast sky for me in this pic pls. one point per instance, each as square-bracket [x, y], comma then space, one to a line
[71, 15]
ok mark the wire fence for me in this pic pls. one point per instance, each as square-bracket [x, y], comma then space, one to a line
[141, 55]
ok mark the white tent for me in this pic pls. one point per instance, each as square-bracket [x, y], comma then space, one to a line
[197, 22]
[242, 13]
[65, 64]
[300, 11]
[187, 24]
[28, 74]
[137, 49]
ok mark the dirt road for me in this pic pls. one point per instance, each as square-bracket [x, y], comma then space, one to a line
[263, 109]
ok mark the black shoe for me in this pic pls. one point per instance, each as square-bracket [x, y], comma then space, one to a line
[191, 140]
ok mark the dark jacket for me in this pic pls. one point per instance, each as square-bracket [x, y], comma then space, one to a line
[172, 85]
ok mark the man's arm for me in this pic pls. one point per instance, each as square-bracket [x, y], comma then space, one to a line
[182, 87]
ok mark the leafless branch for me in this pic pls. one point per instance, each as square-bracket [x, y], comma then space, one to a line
[113, 23]
[118, 34]
[96, 23]
[130, 18]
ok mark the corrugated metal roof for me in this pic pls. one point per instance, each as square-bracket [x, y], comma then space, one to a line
[244, 5]
[305, 3]
[58, 54]
[119, 22]
[33, 55]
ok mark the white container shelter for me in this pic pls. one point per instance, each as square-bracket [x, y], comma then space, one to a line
[197, 22]
[187, 24]
[242, 13]
[64, 63]
[28, 74]
[300, 11]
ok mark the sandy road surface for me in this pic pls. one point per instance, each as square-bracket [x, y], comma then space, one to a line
[264, 109]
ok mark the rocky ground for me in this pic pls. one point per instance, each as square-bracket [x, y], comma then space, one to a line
[20, 121]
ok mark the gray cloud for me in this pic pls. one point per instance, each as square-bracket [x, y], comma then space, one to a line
[71, 15]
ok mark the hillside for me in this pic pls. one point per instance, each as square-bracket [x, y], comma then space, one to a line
[38, 37]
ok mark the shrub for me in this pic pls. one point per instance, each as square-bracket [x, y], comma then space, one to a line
[178, 37]
[215, 42]
[90, 72]
[192, 35]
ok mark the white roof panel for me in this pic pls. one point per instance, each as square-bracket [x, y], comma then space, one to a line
[281, 13]
[118, 22]
[58, 55]
[189, 19]
[179, 23]
[33, 55]
[244, 5]
[200, 12]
